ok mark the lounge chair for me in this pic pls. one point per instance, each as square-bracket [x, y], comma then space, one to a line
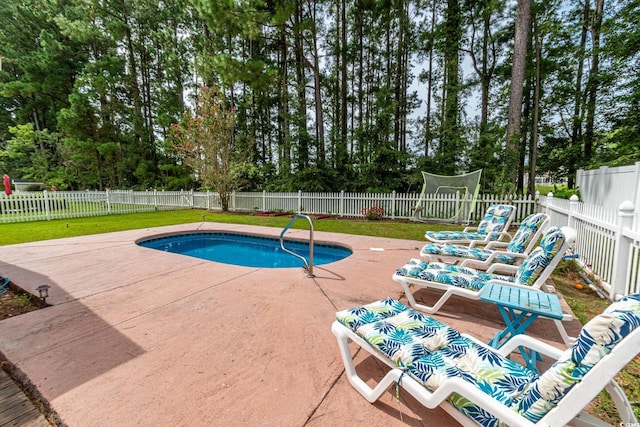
[522, 243]
[4, 283]
[467, 281]
[479, 385]
[493, 226]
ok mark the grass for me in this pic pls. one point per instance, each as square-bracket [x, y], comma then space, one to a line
[23, 232]
[584, 303]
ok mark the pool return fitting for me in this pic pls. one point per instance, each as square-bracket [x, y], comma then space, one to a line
[308, 264]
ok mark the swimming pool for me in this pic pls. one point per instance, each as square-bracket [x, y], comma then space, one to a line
[247, 250]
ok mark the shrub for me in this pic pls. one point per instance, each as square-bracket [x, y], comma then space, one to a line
[373, 213]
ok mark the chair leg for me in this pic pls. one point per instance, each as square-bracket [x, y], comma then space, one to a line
[622, 403]
[421, 307]
[568, 340]
[370, 394]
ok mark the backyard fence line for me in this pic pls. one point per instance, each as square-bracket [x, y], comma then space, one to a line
[48, 205]
[608, 241]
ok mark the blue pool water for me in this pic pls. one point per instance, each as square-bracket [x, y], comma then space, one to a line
[245, 249]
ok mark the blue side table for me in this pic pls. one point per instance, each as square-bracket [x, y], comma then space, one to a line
[519, 307]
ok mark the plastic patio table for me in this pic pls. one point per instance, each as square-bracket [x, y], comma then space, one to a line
[519, 307]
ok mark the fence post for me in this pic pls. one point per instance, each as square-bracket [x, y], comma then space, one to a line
[341, 207]
[47, 209]
[549, 203]
[622, 250]
[264, 200]
[393, 204]
[108, 196]
[300, 201]
[573, 205]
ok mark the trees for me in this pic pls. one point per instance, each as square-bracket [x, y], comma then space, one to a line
[204, 140]
[519, 59]
[325, 91]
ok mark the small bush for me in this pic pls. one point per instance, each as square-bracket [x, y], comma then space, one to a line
[373, 213]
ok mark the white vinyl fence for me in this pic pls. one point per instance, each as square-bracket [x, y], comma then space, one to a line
[608, 238]
[607, 186]
[608, 241]
[36, 206]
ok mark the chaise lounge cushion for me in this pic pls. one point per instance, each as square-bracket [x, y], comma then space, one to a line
[493, 222]
[528, 228]
[495, 375]
[449, 274]
[597, 339]
[473, 279]
[540, 257]
[401, 333]
[432, 352]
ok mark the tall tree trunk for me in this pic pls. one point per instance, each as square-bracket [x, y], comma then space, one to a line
[301, 119]
[283, 109]
[428, 137]
[513, 137]
[343, 94]
[576, 128]
[593, 83]
[533, 148]
[320, 150]
[450, 144]
[399, 78]
[138, 120]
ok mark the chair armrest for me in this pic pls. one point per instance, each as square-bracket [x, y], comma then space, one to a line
[509, 268]
[523, 340]
[496, 245]
[507, 253]
[501, 235]
[467, 229]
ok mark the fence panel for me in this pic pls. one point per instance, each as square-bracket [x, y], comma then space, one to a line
[610, 186]
[632, 277]
[608, 240]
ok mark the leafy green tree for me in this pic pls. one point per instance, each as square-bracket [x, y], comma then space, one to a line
[205, 142]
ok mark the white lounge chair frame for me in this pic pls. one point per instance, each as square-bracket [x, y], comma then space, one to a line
[496, 247]
[449, 290]
[568, 410]
[497, 235]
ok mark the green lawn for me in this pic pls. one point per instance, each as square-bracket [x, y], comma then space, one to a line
[22, 232]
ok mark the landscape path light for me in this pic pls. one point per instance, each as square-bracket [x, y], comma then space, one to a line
[43, 291]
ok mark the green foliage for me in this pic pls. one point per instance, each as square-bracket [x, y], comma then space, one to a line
[373, 213]
[101, 83]
[205, 142]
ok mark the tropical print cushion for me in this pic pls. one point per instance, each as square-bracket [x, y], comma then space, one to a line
[494, 221]
[412, 268]
[597, 338]
[407, 336]
[528, 228]
[353, 318]
[492, 373]
[535, 263]
[454, 275]
[432, 352]
[456, 235]
[401, 333]
[459, 251]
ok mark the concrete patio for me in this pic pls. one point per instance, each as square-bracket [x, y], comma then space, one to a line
[139, 337]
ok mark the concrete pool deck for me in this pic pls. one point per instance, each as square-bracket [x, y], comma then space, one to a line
[138, 337]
